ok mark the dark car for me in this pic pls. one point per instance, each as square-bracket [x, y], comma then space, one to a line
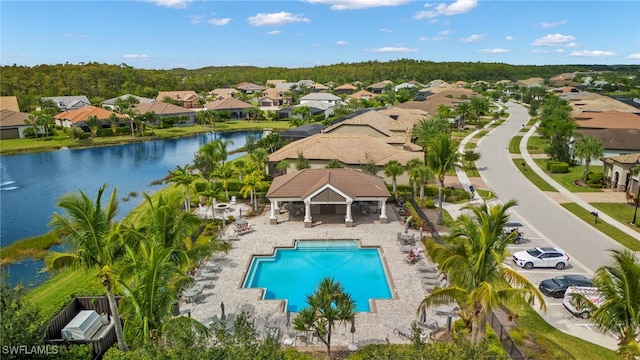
[556, 286]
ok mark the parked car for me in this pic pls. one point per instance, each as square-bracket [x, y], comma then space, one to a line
[592, 294]
[555, 287]
[541, 257]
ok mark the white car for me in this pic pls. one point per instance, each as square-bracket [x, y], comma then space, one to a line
[541, 257]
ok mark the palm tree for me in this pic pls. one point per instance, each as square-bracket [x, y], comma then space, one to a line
[302, 162]
[411, 166]
[329, 306]
[393, 169]
[94, 125]
[224, 172]
[253, 183]
[283, 165]
[32, 119]
[334, 164]
[635, 171]
[588, 148]
[241, 166]
[113, 123]
[472, 260]
[91, 234]
[182, 176]
[619, 312]
[423, 175]
[479, 106]
[260, 157]
[441, 157]
[369, 166]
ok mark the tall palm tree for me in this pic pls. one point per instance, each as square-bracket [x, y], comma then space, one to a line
[253, 183]
[181, 176]
[635, 171]
[472, 260]
[260, 157]
[113, 123]
[441, 156]
[411, 166]
[283, 165]
[329, 306]
[241, 166]
[94, 125]
[588, 148]
[224, 172]
[423, 175]
[393, 169]
[32, 119]
[619, 312]
[91, 234]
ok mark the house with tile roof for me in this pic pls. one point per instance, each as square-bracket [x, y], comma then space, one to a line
[9, 103]
[273, 98]
[187, 99]
[319, 88]
[361, 95]
[591, 102]
[164, 110]
[69, 103]
[380, 87]
[345, 89]
[79, 117]
[110, 103]
[619, 132]
[314, 193]
[221, 94]
[321, 97]
[249, 88]
[13, 124]
[234, 106]
[272, 83]
[618, 170]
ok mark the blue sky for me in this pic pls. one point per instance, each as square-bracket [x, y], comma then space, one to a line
[165, 34]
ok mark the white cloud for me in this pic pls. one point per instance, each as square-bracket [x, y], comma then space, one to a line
[220, 22]
[494, 51]
[135, 56]
[572, 45]
[473, 38]
[393, 49]
[592, 53]
[546, 51]
[635, 56]
[274, 32]
[341, 43]
[435, 38]
[275, 19]
[553, 40]
[509, 37]
[175, 4]
[444, 32]
[545, 24]
[358, 4]
[455, 8]
[386, 30]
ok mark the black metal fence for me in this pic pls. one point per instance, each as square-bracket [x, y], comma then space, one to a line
[503, 334]
[429, 225]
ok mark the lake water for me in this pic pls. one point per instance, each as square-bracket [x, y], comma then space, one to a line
[30, 184]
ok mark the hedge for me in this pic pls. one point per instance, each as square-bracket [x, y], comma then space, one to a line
[559, 167]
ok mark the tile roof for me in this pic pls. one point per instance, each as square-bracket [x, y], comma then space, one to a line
[12, 118]
[380, 85]
[227, 104]
[187, 95]
[362, 93]
[624, 159]
[85, 112]
[224, 92]
[346, 87]
[372, 118]
[126, 96]
[161, 108]
[611, 119]
[320, 105]
[320, 97]
[66, 103]
[304, 183]
[585, 101]
[9, 103]
[349, 149]
[618, 139]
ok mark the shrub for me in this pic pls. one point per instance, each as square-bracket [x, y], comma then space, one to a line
[517, 335]
[431, 190]
[595, 178]
[428, 203]
[561, 167]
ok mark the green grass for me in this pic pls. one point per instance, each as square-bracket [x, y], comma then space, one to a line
[567, 179]
[551, 343]
[534, 178]
[536, 145]
[481, 134]
[35, 247]
[619, 211]
[56, 292]
[514, 144]
[607, 229]
[470, 146]
[471, 171]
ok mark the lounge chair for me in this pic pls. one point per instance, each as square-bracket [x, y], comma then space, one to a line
[428, 268]
[428, 279]
[404, 332]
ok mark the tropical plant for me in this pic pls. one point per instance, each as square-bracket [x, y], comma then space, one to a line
[302, 162]
[635, 171]
[393, 169]
[241, 166]
[334, 164]
[32, 119]
[423, 175]
[327, 307]
[369, 166]
[283, 165]
[181, 176]
[588, 148]
[441, 156]
[472, 259]
[619, 312]
[469, 157]
[411, 166]
[113, 123]
[479, 106]
[426, 129]
[94, 242]
[260, 157]
[94, 125]
[224, 172]
[253, 182]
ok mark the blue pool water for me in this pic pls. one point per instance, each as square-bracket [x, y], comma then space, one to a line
[293, 273]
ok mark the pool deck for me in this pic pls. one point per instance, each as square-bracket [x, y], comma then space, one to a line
[377, 326]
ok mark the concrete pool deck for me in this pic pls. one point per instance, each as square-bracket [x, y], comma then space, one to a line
[374, 327]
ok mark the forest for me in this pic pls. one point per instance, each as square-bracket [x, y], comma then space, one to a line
[104, 81]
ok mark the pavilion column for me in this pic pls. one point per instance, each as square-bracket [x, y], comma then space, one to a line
[383, 212]
[277, 205]
[272, 219]
[348, 221]
[307, 213]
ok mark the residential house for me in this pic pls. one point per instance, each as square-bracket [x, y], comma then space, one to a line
[9, 103]
[69, 103]
[531, 82]
[345, 89]
[235, 107]
[221, 94]
[590, 102]
[405, 85]
[13, 124]
[380, 124]
[317, 107]
[187, 99]
[618, 173]
[321, 97]
[274, 98]
[164, 110]
[380, 87]
[79, 117]
[301, 132]
[317, 87]
[111, 103]
[361, 95]
[449, 97]
[272, 83]
[249, 88]
[618, 131]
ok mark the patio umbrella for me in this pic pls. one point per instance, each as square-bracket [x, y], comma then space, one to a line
[223, 316]
[288, 319]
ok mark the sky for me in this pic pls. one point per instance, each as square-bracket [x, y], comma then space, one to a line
[191, 34]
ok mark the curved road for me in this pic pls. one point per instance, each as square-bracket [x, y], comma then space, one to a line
[586, 246]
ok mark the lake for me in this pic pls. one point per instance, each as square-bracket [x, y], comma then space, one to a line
[30, 184]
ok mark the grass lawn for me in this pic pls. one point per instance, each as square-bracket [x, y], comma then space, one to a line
[567, 179]
[470, 146]
[621, 212]
[514, 144]
[534, 178]
[481, 134]
[605, 228]
[544, 342]
[536, 145]
[35, 247]
[472, 171]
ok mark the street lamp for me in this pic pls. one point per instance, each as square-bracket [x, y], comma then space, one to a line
[353, 346]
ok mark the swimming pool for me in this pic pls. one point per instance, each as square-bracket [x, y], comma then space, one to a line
[293, 273]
